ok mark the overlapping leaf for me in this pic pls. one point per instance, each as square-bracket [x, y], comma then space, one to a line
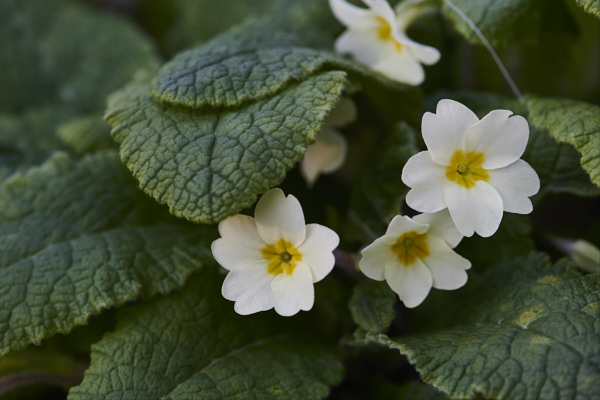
[573, 122]
[208, 164]
[77, 237]
[521, 316]
[190, 344]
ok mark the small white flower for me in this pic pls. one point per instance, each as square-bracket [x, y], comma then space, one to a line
[328, 153]
[273, 259]
[376, 37]
[473, 168]
[416, 254]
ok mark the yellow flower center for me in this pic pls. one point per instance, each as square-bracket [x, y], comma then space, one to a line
[384, 32]
[282, 257]
[410, 246]
[465, 168]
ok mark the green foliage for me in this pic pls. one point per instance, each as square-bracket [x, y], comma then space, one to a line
[372, 306]
[590, 6]
[190, 344]
[209, 164]
[572, 122]
[78, 237]
[85, 134]
[520, 314]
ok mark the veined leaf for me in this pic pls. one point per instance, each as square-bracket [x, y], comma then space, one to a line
[590, 6]
[529, 330]
[190, 344]
[77, 237]
[372, 305]
[207, 164]
[573, 122]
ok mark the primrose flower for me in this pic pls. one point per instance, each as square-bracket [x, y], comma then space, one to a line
[416, 254]
[328, 153]
[472, 167]
[376, 37]
[273, 259]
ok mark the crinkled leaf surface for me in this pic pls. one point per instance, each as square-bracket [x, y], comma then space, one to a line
[79, 236]
[207, 164]
[190, 344]
[248, 63]
[372, 305]
[85, 134]
[590, 6]
[507, 21]
[57, 52]
[573, 122]
[529, 330]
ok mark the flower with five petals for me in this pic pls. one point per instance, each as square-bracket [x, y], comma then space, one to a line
[274, 258]
[472, 168]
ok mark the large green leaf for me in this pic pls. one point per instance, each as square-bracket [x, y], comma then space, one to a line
[207, 164]
[248, 63]
[572, 122]
[528, 330]
[590, 6]
[190, 344]
[57, 52]
[507, 21]
[77, 237]
[372, 305]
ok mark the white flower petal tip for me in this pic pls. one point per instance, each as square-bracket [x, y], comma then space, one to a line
[415, 255]
[377, 38]
[273, 259]
[471, 167]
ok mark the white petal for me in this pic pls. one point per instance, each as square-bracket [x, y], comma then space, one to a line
[375, 257]
[441, 226]
[326, 155]
[239, 242]
[317, 250]
[364, 45]
[427, 180]
[294, 292]
[278, 216]
[349, 14]
[383, 9]
[501, 139]
[412, 283]
[343, 114]
[478, 209]
[425, 54]
[447, 267]
[402, 224]
[515, 184]
[444, 131]
[249, 285]
[399, 65]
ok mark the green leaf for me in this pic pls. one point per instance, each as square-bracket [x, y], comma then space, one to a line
[508, 21]
[85, 134]
[252, 62]
[207, 164]
[57, 53]
[372, 305]
[529, 330]
[190, 344]
[590, 6]
[78, 237]
[573, 122]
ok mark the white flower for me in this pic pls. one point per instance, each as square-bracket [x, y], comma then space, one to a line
[473, 168]
[416, 254]
[328, 153]
[376, 37]
[273, 259]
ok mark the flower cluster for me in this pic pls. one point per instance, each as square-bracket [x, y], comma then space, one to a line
[469, 175]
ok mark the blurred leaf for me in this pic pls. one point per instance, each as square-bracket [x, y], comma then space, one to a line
[85, 134]
[78, 237]
[190, 344]
[372, 305]
[590, 6]
[572, 122]
[522, 314]
[207, 164]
